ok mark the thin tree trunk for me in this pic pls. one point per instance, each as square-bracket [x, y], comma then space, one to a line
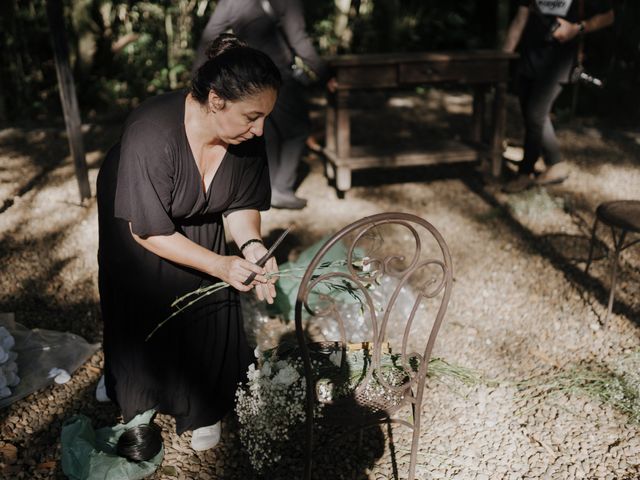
[68, 95]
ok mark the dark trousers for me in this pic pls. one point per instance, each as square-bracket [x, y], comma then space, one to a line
[536, 100]
[285, 133]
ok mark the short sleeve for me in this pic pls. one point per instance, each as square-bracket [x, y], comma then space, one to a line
[145, 180]
[522, 3]
[254, 190]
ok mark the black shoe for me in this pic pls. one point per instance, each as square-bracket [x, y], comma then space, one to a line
[518, 184]
[287, 200]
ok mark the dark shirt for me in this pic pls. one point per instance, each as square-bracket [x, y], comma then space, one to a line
[542, 55]
[248, 21]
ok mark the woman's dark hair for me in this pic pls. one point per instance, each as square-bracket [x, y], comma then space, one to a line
[139, 444]
[234, 71]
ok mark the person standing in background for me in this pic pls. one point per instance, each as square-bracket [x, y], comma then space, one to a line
[550, 31]
[276, 27]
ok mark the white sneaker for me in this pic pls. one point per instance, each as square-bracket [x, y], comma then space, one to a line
[205, 438]
[101, 391]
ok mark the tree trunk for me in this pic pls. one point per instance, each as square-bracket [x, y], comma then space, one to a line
[68, 95]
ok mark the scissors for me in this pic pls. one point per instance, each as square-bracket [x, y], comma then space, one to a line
[261, 262]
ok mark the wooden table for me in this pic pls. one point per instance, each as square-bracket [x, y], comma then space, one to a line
[483, 70]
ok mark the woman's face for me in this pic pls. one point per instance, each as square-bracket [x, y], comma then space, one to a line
[243, 119]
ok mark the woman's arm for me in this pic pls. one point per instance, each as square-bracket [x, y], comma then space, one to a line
[179, 249]
[515, 29]
[568, 31]
[245, 225]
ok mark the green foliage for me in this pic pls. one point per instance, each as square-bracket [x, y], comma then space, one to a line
[123, 51]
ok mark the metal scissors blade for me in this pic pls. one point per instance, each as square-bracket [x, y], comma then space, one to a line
[261, 262]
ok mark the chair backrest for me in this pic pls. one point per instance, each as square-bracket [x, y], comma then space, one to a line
[415, 256]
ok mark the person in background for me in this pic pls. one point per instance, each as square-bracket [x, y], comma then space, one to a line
[548, 33]
[275, 27]
[185, 160]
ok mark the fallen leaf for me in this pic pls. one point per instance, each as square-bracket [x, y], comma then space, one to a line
[9, 453]
[50, 465]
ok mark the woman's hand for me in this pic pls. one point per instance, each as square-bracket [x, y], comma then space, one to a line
[566, 31]
[235, 270]
[264, 290]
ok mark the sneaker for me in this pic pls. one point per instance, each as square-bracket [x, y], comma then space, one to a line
[287, 200]
[205, 438]
[518, 184]
[556, 173]
[101, 391]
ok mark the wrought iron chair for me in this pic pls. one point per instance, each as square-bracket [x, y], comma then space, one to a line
[622, 217]
[434, 277]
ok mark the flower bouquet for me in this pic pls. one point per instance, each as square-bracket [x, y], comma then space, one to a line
[271, 406]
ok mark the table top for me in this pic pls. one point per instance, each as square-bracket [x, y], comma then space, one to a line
[410, 57]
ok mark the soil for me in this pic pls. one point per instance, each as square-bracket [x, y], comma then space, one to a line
[521, 304]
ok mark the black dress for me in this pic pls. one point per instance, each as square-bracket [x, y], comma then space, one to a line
[191, 366]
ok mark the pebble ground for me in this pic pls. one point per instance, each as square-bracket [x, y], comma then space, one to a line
[521, 306]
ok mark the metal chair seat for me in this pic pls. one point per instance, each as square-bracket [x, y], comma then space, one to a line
[624, 214]
[622, 217]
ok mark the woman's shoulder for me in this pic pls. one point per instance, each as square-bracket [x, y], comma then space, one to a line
[162, 113]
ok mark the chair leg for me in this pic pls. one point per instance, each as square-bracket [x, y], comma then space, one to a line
[415, 441]
[591, 245]
[614, 271]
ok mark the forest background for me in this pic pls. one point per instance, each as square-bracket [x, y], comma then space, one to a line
[125, 51]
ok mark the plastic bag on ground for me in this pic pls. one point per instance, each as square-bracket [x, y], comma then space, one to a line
[38, 352]
[89, 454]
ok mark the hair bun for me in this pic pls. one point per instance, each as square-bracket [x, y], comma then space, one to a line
[223, 43]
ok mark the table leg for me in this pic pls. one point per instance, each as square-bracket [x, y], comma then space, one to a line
[343, 179]
[343, 134]
[497, 135]
[477, 128]
[330, 123]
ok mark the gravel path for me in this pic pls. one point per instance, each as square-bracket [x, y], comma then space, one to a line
[521, 307]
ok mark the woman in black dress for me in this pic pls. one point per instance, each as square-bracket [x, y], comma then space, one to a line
[185, 160]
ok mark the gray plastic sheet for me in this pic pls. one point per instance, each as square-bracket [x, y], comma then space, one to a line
[39, 351]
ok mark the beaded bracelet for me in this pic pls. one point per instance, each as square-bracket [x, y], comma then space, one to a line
[249, 242]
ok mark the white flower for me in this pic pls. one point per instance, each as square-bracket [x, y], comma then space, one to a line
[256, 352]
[336, 358]
[366, 266]
[252, 373]
[286, 376]
[265, 371]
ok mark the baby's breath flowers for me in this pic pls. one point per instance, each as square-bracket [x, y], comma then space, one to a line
[271, 406]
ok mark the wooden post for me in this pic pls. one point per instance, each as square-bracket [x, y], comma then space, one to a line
[343, 135]
[477, 126]
[499, 119]
[68, 95]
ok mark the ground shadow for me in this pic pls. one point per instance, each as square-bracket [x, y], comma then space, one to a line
[339, 452]
[563, 251]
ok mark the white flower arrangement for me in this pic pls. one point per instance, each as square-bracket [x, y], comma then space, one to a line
[271, 406]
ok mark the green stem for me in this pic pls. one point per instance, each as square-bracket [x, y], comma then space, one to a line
[203, 292]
